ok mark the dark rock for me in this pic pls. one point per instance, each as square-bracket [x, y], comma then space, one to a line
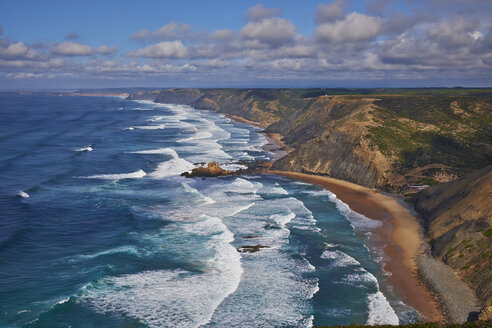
[251, 248]
[212, 170]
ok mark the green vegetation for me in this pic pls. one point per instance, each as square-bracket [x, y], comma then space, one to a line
[455, 131]
[488, 233]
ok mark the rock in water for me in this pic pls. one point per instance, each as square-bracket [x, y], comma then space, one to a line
[212, 170]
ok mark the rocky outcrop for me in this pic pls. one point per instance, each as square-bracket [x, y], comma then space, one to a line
[457, 217]
[211, 170]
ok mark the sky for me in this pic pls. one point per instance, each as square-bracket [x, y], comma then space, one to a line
[71, 44]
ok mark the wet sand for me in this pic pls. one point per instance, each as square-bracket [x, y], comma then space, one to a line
[400, 230]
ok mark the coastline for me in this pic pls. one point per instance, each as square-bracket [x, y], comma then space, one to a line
[414, 273]
[400, 230]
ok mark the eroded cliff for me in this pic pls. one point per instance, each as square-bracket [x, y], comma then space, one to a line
[457, 218]
[379, 140]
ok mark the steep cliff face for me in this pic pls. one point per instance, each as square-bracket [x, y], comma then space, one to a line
[382, 141]
[458, 218]
[330, 138]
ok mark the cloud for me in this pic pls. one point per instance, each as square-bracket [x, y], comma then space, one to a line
[106, 50]
[216, 63]
[23, 75]
[330, 12]
[399, 23]
[354, 27]
[170, 31]
[224, 34]
[455, 32]
[165, 49]
[259, 12]
[18, 50]
[269, 31]
[72, 36]
[79, 49]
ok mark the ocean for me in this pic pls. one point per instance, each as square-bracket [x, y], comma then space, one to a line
[98, 228]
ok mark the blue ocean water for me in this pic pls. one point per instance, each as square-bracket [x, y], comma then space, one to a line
[97, 228]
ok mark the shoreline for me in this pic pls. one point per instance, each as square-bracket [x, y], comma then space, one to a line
[400, 231]
[414, 274]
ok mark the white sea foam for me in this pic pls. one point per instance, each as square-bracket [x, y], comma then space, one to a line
[132, 175]
[150, 127]
[380, 311]
[158, 151]
[340, 259]
[241, 209]
[172, 167]
[164, 298]
[197, 136]
[273, 292]
[360, 277]
[233, 167]
[145, 108]
[65, 300]
[23, 194]
[282, 219]
[130, 128]
[357, 220]
[192, 190]
[274, 190]
[122, 250]
[87, 148]
[240, 185]
[175, 166]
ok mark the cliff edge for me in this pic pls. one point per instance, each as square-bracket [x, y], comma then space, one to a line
[457, 217]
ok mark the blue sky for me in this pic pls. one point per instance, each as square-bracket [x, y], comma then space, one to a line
[75, 44]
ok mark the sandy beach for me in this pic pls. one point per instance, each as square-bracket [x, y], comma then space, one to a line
[400, 230]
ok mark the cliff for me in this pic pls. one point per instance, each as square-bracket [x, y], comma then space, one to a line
[382, 140]
[386, 139]
[457, 218]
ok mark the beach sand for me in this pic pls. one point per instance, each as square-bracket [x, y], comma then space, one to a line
[400, 230]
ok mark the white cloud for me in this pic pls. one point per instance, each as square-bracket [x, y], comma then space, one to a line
[270, 31]
[216, 63]
[259, 12]
[170, 31]
[165, 49]
[354, 27]
[106, 50]
[17, 50]
[455, 32]
[224, 34]
[79, 49]
[21, 75]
